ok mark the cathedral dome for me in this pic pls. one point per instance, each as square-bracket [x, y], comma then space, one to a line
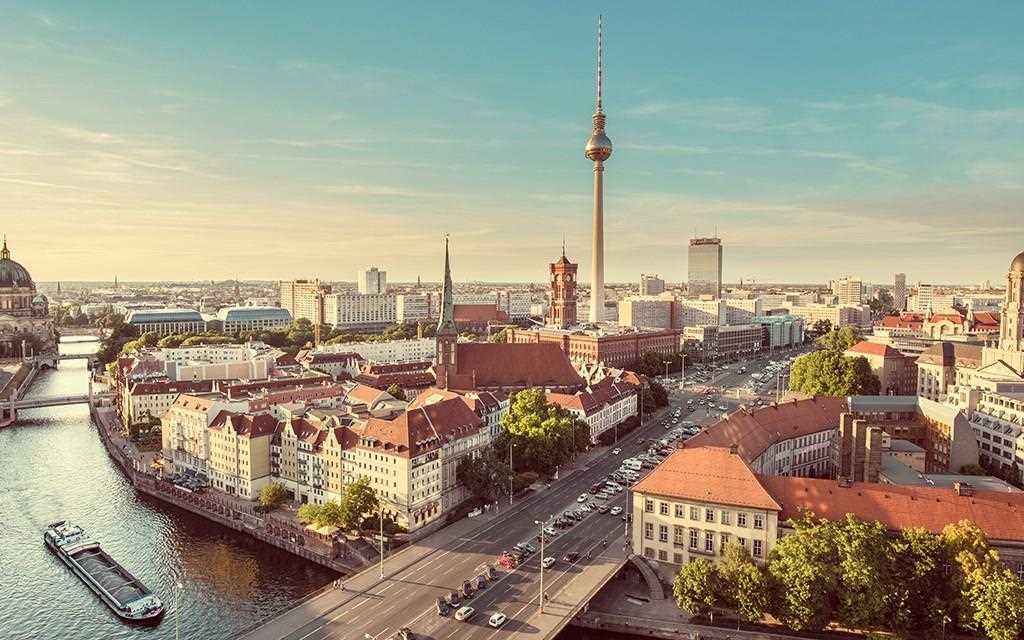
[12, 274]
[1018, 262]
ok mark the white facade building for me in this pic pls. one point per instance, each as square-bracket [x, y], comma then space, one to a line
[392, 351]
[236, 319]
[413, 307]
[356, 310]
[372, 281]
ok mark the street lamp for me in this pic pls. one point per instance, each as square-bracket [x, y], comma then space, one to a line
[381, 539]
[510, 474]
[541, 524]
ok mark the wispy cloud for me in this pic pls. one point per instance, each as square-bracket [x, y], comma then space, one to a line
[378, 190]
[86, 135]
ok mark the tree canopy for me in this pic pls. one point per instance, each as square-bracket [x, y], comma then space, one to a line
[829, 373]
[485, 476]
[542, 434]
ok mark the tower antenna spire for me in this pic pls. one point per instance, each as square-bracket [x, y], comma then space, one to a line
[563, 244]
[600, 60]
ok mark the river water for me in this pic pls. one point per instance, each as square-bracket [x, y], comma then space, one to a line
[54, 467]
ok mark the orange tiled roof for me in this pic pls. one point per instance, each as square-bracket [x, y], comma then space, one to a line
[522, 365]
[1000, 515]
[874, 349]
[707, 474]
[417, 431]
[248, 425]
[753, 431]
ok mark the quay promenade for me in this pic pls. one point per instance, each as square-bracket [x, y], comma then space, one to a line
[234, 513]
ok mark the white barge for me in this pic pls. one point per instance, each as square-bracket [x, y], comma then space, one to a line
[128, 598]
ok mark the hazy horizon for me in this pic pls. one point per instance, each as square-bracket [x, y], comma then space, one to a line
[198, 142]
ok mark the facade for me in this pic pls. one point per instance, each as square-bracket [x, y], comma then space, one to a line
[783, 331]
[614, 348]
[602, 406]
[924, 298]
[514, 304]
[372, 281]
[897, 373]
[414, 307]
[944, 364]
[562, 310]
[899, 292]
[237, 319]
[839, 316]
[704, 267]
[700, 312]
[359, 311]
[695, 503]
[742, 310]
[337, 364]
[1010, 349]
[304, 299]
[144, 401]
[646, 312]
[391, 351]
[166, 322]
[25, 325]
[998, 423]
[651, 284]
[849, 292]
[725, 342]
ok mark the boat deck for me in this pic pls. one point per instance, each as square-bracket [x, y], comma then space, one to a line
[120, 584]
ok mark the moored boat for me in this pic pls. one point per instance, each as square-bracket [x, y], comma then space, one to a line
[122, 592]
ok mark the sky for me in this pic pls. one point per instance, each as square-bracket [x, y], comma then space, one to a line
[264, 141]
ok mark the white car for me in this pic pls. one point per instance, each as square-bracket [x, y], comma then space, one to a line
[616, 451]
[547, 562]
[497, 620]
[585, 509]
[550, 532]
[464, 613]
[583, 498]
[616, 511]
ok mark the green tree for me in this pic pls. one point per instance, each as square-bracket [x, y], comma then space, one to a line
[865, 558]
[332, 514]
[486, 476]
[829, 373]
[840, 339]
[500, 337]
[973, 561]
[751, 592]
[359, 500]
[804, 572]
[998, 605]
[308, 513]
[819, 328]
[920, 594]
[697, 587]
[659, 395]
[174, 340]
[273, 495]
[396, 390]
[543, 434]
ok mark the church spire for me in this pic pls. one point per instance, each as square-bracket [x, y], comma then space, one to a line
[446, 325]
[5, 254]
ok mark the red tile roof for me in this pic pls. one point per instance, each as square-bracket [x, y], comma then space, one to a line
[707, 474]
[422, 429]
[164, 388]
[903, 321]
[607, 391]
[1000, 515]
[753, 431]
[949, 354]
[874, 349]
[479, 313]
[366, 395]
[245, 424]
[986, 320]
[482, 365]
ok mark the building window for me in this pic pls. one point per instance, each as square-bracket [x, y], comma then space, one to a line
[726, 517]
[693, 539]
[662, 555]
[663, 508]
[758, 521]
[694, 513]
[758, 548]
[649, 553]
[662, 533]
[677, 558]
[649, 505]
[709, 541]
[649, 531]
[709, 515]
[678, 533]
[679, 511]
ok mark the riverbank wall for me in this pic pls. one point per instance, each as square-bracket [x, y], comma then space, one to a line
[671, 630]
[335, 554]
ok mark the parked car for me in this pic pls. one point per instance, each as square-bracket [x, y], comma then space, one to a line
[464, 613]
[547, 562]
[572, 556]
[603, 509]
[454, 599]
[582, 498]
[616, 451]
[442, 607]
[616, 511]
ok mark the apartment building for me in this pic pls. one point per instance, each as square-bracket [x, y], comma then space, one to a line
[646, 312]
[848, 291]
[359, 311]
[304, 299]
[414, 307]
[602, 406]
[372, 281]
[897, 373]
[651, 284]
[144, 401]
[166, 322]
[944, 364]
[998, 423]
[837, 315]
[391, 351]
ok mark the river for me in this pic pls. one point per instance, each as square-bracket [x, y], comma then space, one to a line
[53, 466]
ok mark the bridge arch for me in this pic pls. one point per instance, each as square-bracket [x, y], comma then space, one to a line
[650, 576]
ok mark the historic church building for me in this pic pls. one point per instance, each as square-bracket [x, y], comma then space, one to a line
[25, 324]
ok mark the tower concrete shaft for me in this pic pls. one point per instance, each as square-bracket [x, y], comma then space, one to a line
[598, 149]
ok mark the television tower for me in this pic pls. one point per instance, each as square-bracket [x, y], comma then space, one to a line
[598, 149]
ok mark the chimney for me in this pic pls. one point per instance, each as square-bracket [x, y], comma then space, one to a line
[963, 489]
[844, 482]
[734, 449]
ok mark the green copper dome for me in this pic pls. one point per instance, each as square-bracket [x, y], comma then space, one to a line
[12, 274]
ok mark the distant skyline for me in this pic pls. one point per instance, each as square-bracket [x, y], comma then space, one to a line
[196, 142]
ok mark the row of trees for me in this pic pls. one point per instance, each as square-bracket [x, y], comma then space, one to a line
[358, 503]
[828, 372]
[861, 576]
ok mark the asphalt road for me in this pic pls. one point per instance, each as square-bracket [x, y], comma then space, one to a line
[373, 608]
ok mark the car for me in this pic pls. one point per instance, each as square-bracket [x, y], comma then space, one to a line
[547, 562]
[497, 620]
[464, 613]
[572, 556]
[582, 498]
[529, 547]
[616, 511]
[603, 509]
[550, 532]
[454, 599]
[442, 607]
[585, 509]
[722, 407]
[616, 451]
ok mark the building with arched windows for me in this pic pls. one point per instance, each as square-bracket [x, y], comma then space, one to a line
[25, 325]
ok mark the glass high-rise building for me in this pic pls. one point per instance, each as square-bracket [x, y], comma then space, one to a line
[705, 267]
